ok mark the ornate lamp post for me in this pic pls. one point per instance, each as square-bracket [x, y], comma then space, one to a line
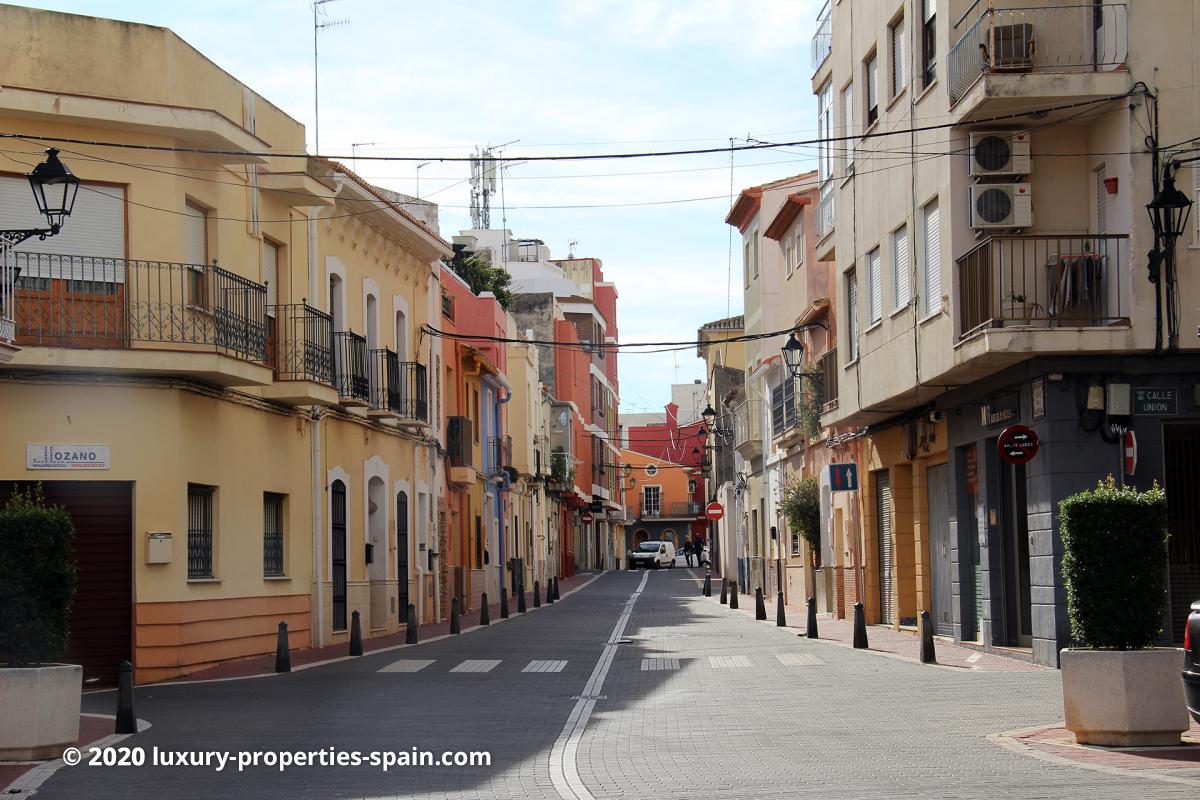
[54, 189]
[1169, 212]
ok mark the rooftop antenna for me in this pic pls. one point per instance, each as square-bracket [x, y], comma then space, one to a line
[571, 248]
[353, 147]
[320, 22]
[483, 186]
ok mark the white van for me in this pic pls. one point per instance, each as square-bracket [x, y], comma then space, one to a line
[652, 554]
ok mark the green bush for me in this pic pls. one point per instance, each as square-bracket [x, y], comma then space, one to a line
[1115, 565]
[801, 507]
[37, 579]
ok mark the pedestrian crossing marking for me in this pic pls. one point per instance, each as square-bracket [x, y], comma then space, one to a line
[799, 659]
[656, 664]
[477, 665]
[408, 665]
[544, 665]
[728, 662]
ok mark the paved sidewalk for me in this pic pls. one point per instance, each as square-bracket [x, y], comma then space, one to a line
[881, 638]
[265, 664]
[92, 728]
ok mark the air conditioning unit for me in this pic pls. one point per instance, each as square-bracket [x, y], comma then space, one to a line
[1001, 205]
[999, 153]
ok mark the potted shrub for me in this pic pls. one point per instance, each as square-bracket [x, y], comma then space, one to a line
[40, 698]
[1118, 688]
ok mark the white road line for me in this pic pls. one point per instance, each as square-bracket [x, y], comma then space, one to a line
[656, 664]
[408, 665]
[729, 662]
[544, 665]
[799, 659]
[477, 665]
[564, 769]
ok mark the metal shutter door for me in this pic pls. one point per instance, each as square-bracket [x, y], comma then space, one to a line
[887, 561]
[940, 574]
[932, 300]
[96, 229]
[195, 235]
[902, 272]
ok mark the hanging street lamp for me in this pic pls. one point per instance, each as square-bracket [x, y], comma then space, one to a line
[54, 189]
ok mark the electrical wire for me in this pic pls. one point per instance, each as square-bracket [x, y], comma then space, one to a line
[749, 337]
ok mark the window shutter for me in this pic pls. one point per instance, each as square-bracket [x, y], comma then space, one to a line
[872, 87]
[95, 230]
[874, 287]
[848, 123]
[932, 288]
[1101, 203]
[195, 234]
[897, 58]
[1196, 197]
[852, 313]
[901, 272]
[271, 275]
[930, 9]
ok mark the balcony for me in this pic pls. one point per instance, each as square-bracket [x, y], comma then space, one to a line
[8, 311]
[829, 380]
[747, 429]
[301, 350]
[459, 451]
[499, 454]
[350, 373]
[823, 217]
[1010, 47]
[822, 41]
[151, 317]
[1023, 294]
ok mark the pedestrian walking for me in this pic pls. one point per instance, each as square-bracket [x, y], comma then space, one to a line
[704, 557]
[688, 551]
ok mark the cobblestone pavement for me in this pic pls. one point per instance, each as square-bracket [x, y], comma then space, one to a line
[663, 694]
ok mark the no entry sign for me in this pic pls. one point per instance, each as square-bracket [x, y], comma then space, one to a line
[585, 517]
[714, 511]
[1018, 444]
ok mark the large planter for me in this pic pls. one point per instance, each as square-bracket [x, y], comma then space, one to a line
[41, 710]
[1124, 698]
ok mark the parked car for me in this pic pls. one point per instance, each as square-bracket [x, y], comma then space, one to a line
[652, 555]
[1191, 661]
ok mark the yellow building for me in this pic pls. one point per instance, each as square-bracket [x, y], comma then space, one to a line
[218, 369]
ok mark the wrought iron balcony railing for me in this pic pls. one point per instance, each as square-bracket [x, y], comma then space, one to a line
[1091, 37]
[458, 441]
[414, 391]
[303, 343]
[384, 380]
[825, 209]
[350, 375]
[92, 302]
[1075, 280]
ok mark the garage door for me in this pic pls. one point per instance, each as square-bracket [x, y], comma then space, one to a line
[102, 615]
[887, 560]
[940, 575]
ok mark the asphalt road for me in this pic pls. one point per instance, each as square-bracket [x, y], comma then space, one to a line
[662, 694]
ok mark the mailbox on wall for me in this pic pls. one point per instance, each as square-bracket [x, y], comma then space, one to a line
[158, 547]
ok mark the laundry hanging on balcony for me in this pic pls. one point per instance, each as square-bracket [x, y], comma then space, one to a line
[1076, 287]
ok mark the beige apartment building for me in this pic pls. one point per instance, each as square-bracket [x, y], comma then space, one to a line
[983, 194]
[216, 365]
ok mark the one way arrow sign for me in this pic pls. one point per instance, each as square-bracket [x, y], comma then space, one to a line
[843, 477]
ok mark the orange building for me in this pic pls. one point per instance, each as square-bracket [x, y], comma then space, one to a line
[660, 497]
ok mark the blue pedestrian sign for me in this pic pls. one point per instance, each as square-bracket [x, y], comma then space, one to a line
[843, 477]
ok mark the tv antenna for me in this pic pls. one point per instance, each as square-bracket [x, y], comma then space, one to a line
[353, 147]
[571, 248]
[320, 22]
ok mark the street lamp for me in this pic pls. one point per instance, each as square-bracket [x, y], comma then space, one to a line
[54, 189]
[1169, 212]
[793, 354]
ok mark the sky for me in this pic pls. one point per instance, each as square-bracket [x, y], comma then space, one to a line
[552, 77]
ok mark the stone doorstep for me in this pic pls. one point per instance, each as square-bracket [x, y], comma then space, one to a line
[92, 728]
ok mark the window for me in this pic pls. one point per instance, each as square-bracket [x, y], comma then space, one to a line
[852, 313]
[789, 253]
[272, 535]
[651, 501]
[783, 406]
[800, 239]
[874, 287]
[929, 42]
[872, 89]
[195, 234]
[848, 126]
[896, 35]
[901, 272]
[475, 412]
[746, 262]
[795, 544]
[754, 250]
[824, 131]
[1101, 201]
[271, 275]
[931, 263]
[691, 487]
[200, 531]
[478, 542]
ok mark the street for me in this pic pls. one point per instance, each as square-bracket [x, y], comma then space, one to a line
[681, 697]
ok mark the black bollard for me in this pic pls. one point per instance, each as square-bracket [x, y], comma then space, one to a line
[355, 635]
[503, 602]
[707, 590]
[760, 605]
[811, 633]
[733, 594]
[485, 614]
[410, 625]
[283, 658]
[455, 627]
[550, 598]
[925, 630]
[557, 593]
[520, 598]
[537, 595]
[780, 615]
[126, 720]
[860, 627]
[724, 592]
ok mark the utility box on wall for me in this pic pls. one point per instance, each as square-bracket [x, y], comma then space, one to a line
[158, 547]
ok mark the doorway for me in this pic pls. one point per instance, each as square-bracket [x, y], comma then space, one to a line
[402, 553]
[887, 560]
[937, 486]
[1181, 457]
[337, 558]
[1018, 611]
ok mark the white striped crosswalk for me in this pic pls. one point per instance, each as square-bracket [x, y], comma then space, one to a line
[477, 665]
[729, 662]
[656, 664]
[545, 665]
[408, 665]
